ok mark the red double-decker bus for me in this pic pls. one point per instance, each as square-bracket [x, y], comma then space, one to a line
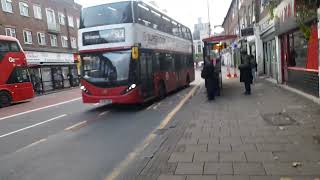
[131, 53]
[15, 84]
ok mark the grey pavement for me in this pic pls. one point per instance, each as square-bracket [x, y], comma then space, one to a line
[271, 135]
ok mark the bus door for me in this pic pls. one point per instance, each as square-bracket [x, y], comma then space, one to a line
[146, 75]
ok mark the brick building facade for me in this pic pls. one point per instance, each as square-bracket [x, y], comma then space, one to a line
[47, 31]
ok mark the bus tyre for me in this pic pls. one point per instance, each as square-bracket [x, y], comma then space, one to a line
[162, 91]
[5, 99]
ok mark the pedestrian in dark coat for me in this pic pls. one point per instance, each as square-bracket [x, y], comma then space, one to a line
[208, 73]
[246, 72]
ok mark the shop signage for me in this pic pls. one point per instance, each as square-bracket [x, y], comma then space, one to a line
[34, 57]
[247, 32]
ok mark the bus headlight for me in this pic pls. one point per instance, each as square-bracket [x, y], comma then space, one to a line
[129, 89]
[84, 89]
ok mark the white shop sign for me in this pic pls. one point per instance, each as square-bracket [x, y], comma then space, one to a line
[34, 57]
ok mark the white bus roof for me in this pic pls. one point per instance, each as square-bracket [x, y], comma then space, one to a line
[143, 1]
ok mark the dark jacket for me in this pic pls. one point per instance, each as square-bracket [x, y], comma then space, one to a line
[246, 69]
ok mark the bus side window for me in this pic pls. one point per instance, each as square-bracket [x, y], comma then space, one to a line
[178, 61]
[190, 61]
[156, 62]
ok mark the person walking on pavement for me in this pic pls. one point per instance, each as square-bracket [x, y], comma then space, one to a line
[208, 73]
[246, 71]
[70, 78]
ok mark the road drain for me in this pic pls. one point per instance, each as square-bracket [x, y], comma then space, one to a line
[279, 119]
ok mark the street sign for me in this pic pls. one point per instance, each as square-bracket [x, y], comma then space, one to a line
[247, 32]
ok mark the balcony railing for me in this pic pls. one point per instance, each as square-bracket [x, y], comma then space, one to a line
[54, 27]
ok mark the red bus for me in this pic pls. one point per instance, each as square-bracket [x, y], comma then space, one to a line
[131, 53]
[15, 84]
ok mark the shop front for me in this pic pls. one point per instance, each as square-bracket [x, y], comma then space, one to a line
[268, 29]
[299, 55]
[52, 71]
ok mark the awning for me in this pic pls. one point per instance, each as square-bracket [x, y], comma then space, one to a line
[216, 39]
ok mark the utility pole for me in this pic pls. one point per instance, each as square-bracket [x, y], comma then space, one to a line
[208, 5]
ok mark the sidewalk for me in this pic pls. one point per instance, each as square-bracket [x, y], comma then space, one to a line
[271, 135]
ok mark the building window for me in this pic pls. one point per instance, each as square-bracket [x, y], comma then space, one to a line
[74, 43]
[64, 41]
[70, 21]
[37, 12]
[78, 23]
[11, 32]
[27, 36]
[62, 18]
[53, 40]
[41, 38]
[24, 9]
[51, 19]
[7, 5]
[199, 49]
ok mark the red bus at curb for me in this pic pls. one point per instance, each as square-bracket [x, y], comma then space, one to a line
[132, 53]
[15, 84]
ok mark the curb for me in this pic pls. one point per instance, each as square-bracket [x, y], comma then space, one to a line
[296, 91]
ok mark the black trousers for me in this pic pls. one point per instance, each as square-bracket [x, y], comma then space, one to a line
[248, 87]
[211, 89]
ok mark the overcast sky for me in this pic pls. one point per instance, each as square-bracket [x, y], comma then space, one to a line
[186, 11]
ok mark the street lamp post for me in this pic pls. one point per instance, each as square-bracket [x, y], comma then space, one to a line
[208, 5]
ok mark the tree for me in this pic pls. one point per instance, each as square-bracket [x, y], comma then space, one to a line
[306, 11]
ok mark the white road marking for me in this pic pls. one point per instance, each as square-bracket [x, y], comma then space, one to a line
[124, 164]
[32, 126]
[39, 109]
[103, 113]
[80, 124]
[31, 145]
[96, 104]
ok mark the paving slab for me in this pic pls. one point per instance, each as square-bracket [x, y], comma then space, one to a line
[206, 157]
[189, 169]
[219, 147]
[248, 169]
[218, 168]
[181, 157]
[232, 157]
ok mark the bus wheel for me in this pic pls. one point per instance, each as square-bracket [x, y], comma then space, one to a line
[5, 99]
[162, 91]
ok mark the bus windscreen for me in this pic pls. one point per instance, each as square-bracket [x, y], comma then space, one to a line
[107, 14]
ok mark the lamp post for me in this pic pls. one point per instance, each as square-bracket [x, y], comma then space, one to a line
[208, 5]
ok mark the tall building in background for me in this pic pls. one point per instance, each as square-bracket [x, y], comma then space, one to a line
[201, 31]
[47, 31]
